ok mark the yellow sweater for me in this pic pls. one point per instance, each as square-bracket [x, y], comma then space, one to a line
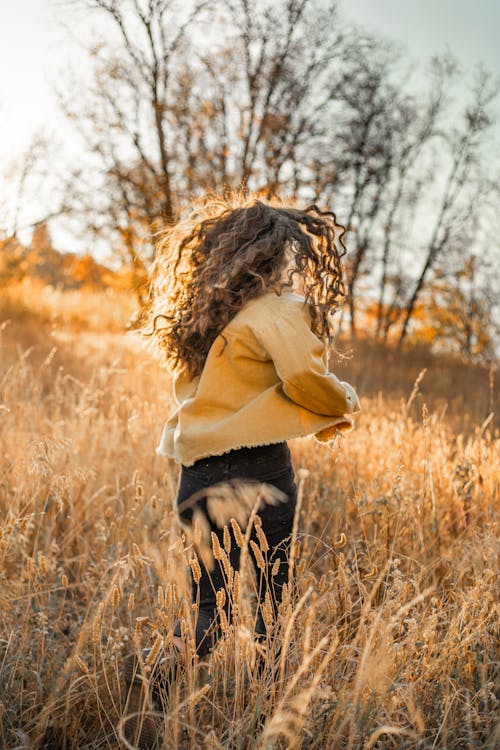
[265, 380]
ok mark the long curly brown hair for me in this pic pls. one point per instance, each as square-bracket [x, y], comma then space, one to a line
[228, 250]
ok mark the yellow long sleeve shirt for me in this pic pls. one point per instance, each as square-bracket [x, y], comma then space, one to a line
[265, 380]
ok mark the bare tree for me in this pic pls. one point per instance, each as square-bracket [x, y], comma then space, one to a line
[459, 309]
[25, 176]
[456, 200]
[166, 118]
[256, 96]
[419, 125]
[152, 35]
[127, 120]
[26, 182]
[362, 148]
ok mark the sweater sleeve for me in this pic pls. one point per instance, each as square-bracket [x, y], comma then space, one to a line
[298, 356]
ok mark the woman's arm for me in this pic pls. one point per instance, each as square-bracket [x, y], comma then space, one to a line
[298, 356]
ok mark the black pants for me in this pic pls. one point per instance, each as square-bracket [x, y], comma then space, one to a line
[268, 464]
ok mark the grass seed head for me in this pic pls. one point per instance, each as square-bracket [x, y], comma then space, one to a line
[227, 539]
[258, 555]
[195, 569]
[216, 548]
[115, 597]
[81, 664]
[161, 597]
[155, 650]
[220, 598]
[237, 533]
[264, 546]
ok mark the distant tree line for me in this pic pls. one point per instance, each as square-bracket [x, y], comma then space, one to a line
[283, 96]
[41, 262]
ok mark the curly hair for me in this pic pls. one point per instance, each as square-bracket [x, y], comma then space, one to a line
[230, 250]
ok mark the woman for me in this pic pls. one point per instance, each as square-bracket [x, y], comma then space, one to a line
[242, 298]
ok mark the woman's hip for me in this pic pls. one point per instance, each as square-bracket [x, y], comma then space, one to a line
[265, 464]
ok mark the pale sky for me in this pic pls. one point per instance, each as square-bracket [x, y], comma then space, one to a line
[35, 48]
[32, 48]
[469, 28]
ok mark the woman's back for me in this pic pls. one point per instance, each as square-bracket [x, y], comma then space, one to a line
[264, 381]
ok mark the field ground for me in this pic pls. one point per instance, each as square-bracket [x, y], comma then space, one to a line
[391, 636]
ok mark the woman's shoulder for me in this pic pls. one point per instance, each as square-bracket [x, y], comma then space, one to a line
[269, 310]
[272, 301]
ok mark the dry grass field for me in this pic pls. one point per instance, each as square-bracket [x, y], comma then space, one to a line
[389, 636]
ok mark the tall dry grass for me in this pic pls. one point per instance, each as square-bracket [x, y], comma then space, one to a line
[389, 637]
[30, 301]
